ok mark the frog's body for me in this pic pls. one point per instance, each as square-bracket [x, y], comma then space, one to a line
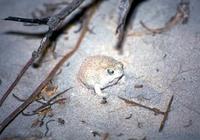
[99, 72]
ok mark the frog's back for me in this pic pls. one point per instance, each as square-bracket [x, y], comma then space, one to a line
[92, 67]
[93, 70]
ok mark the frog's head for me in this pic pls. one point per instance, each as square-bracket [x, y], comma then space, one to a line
[113, 73]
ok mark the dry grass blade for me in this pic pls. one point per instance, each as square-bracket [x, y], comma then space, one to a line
[155, 110]
[166, 114]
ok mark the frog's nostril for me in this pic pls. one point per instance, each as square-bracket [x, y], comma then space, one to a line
[120, 65]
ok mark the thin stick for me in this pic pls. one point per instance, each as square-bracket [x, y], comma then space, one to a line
[19, 76]
[47, 105]
[23, 106]
[155, 110]
[181, 16]
[54, 24]
[28, 20]
[166, 114]
[59, 94]
[47, 127]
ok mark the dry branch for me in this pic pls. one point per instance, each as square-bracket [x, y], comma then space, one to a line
[53, 72]
[19, 76]
[54, 23]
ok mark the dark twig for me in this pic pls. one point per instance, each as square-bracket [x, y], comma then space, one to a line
[47, 127]
[47, 106]
[41, 102]
[19, 99]
[53, 72]
[59, 94]
[166, 114]
[44, 106]
[95, 133]
[23, 100]
[42, 120]
[28, 114]
[27, 20]
[181, 16]
[155, 110]
[129, 117]
[19, 76]
[54, 24]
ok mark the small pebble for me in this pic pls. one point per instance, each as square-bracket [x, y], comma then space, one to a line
[104, 100]
[61, 121]
[138, 86]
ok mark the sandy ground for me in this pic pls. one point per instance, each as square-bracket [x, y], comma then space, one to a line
[165, 64]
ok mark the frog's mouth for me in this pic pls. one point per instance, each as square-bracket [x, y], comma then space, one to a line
[114, 81]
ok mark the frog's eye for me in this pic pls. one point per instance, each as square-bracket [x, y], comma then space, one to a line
[110, 72]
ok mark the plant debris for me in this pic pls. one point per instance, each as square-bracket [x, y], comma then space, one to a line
[95, 133]
[139, 124]
[47, 127]
[19, 99]
[37, 123]
[19, 76]
[61, 121]
[49, 90]
[181, 16]
[129, 117]
[55, 23]
[138, 86]
[53, 72]
[46, 107]
[155, 110]
[166, 114]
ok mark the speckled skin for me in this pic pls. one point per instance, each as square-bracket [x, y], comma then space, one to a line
[100, 71]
